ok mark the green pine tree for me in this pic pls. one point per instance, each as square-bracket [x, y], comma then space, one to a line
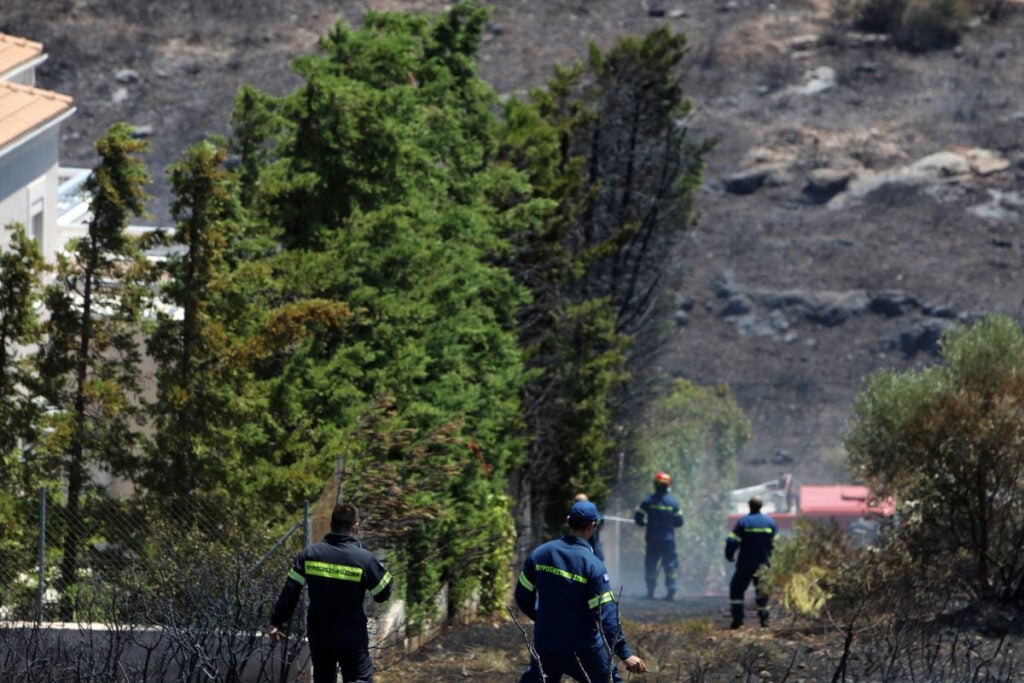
[197, 364]
[21, 471]
[602, 142]
[88, 364]
[380, 183]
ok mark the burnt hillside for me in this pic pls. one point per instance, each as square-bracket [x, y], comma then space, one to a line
[860, 199]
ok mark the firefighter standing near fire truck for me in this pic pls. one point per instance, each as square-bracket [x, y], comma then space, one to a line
[660, 513]
[754, 537]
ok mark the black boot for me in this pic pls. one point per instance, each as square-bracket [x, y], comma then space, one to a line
[737, 616]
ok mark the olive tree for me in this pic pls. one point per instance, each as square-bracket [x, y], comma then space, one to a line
[948, 442]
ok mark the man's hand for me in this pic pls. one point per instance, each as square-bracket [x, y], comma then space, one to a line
[277, 635]
[635, 665]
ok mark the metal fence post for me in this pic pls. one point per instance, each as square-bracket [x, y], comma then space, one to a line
[307, 528]
[307, 533]
[341, 479]
[42, 554]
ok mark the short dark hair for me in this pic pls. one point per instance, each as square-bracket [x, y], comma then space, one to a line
[755, 503]
[344, 518]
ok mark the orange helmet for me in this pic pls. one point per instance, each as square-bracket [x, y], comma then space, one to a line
[662, 479]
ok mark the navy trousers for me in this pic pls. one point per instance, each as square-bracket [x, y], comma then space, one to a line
[738, 586]
[580, 666]
[664, 553]
[347, 648]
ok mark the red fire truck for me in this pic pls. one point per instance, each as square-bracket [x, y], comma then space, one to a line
[855, 508]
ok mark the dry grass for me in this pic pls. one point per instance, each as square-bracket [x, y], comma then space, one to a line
[699, 649]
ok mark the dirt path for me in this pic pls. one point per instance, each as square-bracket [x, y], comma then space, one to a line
[497, 651]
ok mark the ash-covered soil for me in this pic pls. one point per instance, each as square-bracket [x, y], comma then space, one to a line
[497, 650]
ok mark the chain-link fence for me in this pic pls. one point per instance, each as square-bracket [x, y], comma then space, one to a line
[131, 590]
[109, 544]
[135, 590]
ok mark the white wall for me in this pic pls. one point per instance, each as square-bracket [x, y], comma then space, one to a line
[28, 187]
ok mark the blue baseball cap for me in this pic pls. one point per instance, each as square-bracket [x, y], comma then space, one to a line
[583, 511]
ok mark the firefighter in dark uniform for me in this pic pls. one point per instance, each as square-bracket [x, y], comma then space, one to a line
[754, 537]
[660, 513]
[565, 589]
[339, 572]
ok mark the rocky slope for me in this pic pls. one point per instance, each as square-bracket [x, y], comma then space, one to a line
[859, 200]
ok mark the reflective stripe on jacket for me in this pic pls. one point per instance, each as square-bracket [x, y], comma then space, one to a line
[754, 537]
[565, 589]
[661, 514]
[339, 572]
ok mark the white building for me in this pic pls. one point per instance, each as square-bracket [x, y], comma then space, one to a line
[30, 172]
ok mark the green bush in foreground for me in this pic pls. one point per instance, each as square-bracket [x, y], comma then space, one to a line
[946, 442]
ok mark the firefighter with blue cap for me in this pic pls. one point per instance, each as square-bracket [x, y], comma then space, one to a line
[595, 540]
[661, 514]
[565, 589]
[754, 538]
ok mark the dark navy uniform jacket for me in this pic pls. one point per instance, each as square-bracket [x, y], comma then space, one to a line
[339, 572]
[660, 513]
[565, 589]
[754, 537]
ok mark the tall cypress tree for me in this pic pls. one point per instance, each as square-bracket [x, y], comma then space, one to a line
[191, 343]
[88, 364]
[21, 266]
[604, 142]
[21, 472]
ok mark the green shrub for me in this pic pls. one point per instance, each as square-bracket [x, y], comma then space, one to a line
[694, 433]
[932, 24]
[820, 572]
[915, 25]
[806, 565]
[945, 442]
[879, 16]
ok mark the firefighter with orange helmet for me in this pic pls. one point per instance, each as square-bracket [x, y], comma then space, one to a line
[661, 515]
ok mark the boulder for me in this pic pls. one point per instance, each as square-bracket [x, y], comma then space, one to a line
[746, 181]
[738, 304]
[942, 165]
[817, 80]
[127, 76]
[825, 183]
[893, 303]
[808, 41]
[985, 162]
[919, 337]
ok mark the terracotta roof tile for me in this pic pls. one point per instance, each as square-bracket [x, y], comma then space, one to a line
[17, 51]
[23, 109]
